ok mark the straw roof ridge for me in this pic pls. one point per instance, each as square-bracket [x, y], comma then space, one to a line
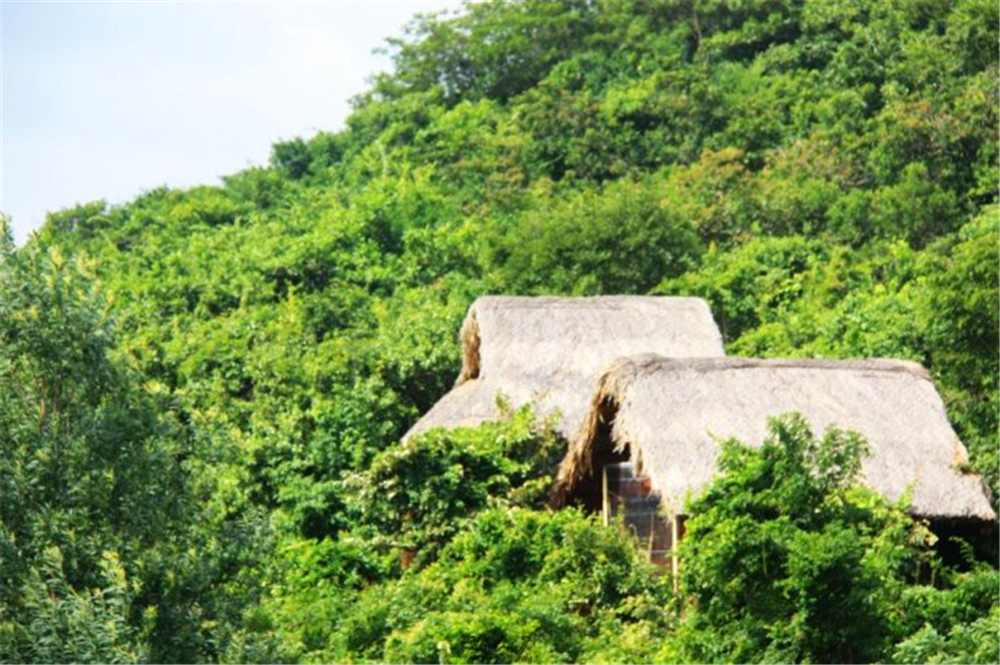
[470, 339]
[503, 307]
[651, 362]
[552, 349]
[669, 416]
[583, 302]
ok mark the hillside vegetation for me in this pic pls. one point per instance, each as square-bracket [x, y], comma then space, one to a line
[202, 390]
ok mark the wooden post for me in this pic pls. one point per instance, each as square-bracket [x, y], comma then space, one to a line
[605, 502]
[674, 562]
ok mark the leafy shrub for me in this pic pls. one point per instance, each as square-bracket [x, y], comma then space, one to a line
[417, 493]
[61, 624]
[785, 559]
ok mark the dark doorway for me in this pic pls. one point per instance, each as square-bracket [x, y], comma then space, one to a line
[613, 489]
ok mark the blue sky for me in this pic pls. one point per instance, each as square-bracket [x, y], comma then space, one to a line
[106, 100]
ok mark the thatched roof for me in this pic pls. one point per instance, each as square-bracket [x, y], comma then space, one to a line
[552, 351]
[671, 415]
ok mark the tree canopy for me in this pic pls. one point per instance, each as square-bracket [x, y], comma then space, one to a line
[202, 391]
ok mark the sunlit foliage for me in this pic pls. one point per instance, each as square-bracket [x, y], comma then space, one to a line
[202, 391]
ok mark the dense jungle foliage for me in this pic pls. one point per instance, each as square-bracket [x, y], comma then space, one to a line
[202, 391]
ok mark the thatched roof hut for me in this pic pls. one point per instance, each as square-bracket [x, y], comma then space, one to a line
[669, 415]
[552, 350]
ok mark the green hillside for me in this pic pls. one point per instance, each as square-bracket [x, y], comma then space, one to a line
[202, 390]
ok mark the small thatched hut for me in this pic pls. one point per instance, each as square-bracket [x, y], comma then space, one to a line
[552, 350]
[665, 417]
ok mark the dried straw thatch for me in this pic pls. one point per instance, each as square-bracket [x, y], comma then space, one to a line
[552, 350]
[671, 414]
